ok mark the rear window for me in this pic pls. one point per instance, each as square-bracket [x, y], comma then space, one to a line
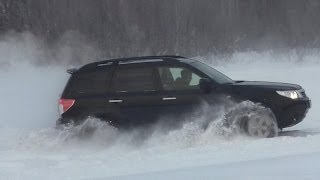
[134, 79]
[94, 82]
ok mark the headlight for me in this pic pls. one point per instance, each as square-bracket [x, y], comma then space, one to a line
[290, 94]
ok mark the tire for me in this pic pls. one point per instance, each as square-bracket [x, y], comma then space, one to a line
[254, 121]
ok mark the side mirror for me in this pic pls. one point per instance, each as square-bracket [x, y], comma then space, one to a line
[205, 85]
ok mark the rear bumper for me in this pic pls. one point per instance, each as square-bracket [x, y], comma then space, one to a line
[294, 114]
[65, 122]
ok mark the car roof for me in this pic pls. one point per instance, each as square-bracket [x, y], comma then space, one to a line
[141, 59]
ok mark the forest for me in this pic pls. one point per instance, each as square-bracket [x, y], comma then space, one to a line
[185, 27]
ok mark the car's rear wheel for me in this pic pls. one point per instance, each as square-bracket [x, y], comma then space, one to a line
[254, 121]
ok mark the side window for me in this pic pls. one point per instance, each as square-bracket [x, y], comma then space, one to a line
[178, 78]
[134, 79]
[93, 82]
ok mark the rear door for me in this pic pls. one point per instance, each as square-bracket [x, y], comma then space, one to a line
[135, 94]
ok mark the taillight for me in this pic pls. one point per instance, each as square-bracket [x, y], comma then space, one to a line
[65, 105]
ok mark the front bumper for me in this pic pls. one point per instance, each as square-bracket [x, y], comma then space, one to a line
[295, 113]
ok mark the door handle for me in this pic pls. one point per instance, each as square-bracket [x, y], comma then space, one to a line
[169, 98]
[115, 101]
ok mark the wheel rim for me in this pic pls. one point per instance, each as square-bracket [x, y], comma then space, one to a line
[261, 126]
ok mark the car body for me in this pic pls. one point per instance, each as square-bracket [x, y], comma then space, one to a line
[136, 91]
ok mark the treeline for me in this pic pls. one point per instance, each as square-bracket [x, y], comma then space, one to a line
[187, 27]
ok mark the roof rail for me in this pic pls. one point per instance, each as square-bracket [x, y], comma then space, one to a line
[122, 60]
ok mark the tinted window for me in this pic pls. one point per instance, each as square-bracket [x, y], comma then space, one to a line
[178, 78]
[90, 82]
[134, 79]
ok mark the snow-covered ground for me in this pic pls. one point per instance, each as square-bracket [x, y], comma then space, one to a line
[30, 148]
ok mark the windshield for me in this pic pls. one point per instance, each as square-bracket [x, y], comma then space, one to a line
[212, 73]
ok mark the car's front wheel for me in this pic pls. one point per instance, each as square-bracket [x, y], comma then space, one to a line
[254, 121]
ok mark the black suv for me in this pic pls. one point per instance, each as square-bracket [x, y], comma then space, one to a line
[137, 91]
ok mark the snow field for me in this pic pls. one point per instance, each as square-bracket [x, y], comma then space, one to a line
[30, 148]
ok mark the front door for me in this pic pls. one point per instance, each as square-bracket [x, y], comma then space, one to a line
[181, 97]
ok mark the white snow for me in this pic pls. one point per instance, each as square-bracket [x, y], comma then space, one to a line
[30, 148]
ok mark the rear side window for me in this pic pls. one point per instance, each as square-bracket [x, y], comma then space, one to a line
[93, 82]
[133, 79]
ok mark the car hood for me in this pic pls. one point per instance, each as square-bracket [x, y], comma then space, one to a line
[266, 85]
